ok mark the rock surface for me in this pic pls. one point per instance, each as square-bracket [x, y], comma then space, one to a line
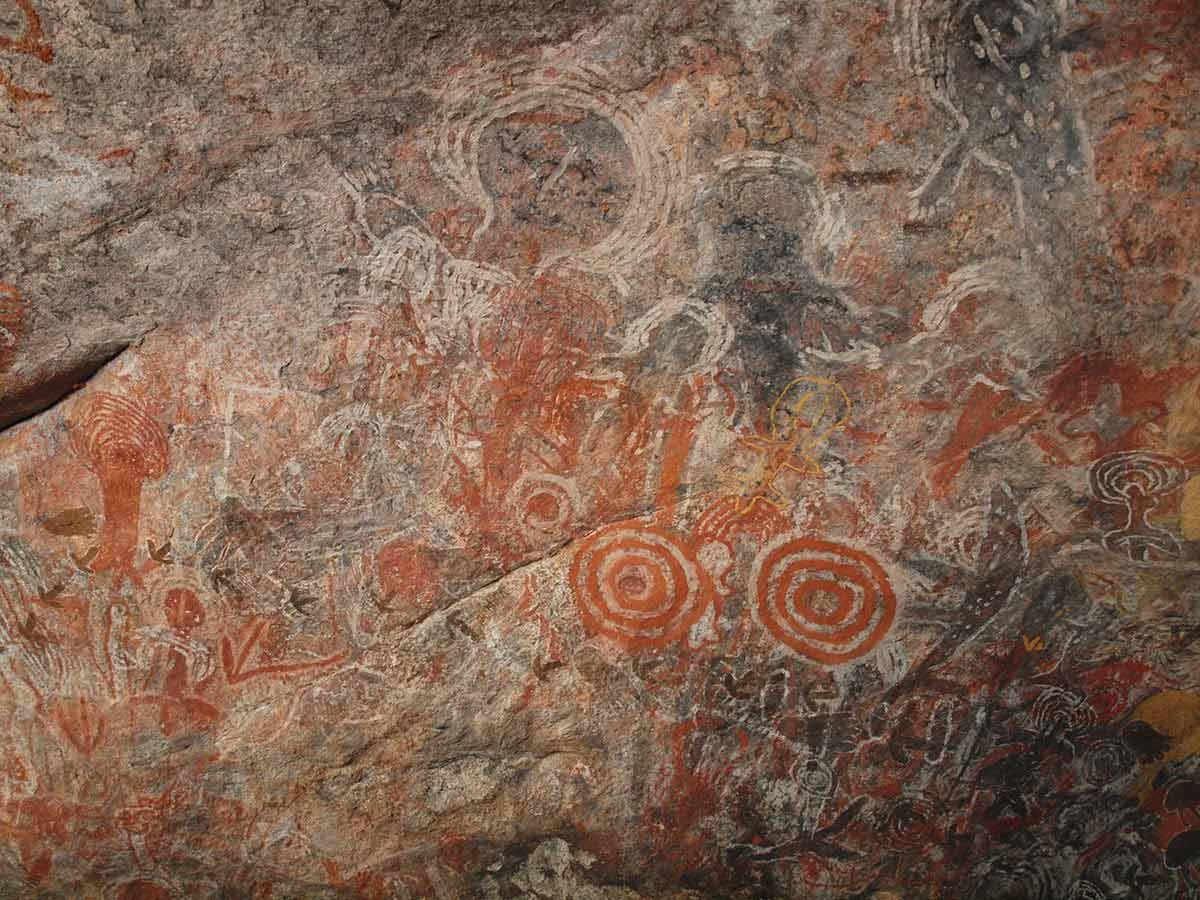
[664, 449]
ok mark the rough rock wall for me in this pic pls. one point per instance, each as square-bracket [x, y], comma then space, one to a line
[465, 448]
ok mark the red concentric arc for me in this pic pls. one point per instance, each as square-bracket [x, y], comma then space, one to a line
[639, 585]
[826, 601]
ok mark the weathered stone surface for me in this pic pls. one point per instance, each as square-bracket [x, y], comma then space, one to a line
[746, 448]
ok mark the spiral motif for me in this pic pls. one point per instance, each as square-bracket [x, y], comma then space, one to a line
[1057, 710]
[546, 505]
[638, 585]
[1121, 477]
[826, 601]
[1106, 761]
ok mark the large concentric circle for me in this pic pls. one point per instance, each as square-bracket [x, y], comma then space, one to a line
[475, 101]
[638, 585]
[826, 601]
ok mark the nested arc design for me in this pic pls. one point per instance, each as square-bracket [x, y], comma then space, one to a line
[545, 505]
[1122, 477]
[639, 585]
[475, 102]
[115, 433]
[826, 601]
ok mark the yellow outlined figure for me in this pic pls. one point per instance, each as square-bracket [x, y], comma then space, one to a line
[802, 417]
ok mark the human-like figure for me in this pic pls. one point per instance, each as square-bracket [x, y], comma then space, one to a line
[189, 665]
[123, 446]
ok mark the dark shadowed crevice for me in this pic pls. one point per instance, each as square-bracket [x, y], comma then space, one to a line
[54, 381]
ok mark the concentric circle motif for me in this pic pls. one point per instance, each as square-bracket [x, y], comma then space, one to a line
[1122, 477]
[1085, 890]
[638, 585]
[826, 601]
[1107, 761]
[1057, 710]
[815, 778]
[546, 505]
[476, 100]
[1014, 877]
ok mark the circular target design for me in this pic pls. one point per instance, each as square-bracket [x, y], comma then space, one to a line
[638, 585]
[815, 778]
[912, 822]
[546, 505]
[1015, 877]
[1122, 477]
[826, 601]
[475, 101]
[1085, 890]
[1057, 710]
[1107, 761]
